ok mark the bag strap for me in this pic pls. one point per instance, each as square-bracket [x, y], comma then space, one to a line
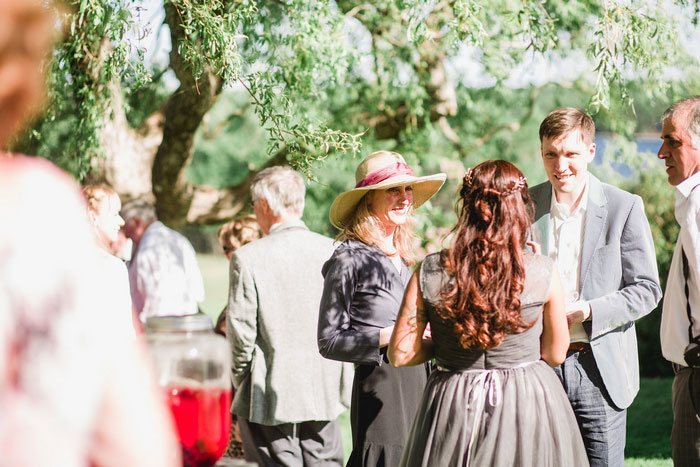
[686, 274]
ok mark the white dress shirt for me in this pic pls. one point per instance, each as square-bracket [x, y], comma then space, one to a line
[164, 275]
[674, 318]
[565, 239]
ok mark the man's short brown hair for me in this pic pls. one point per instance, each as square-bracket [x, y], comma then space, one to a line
[566, 120]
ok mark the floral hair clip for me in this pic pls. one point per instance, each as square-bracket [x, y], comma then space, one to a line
[518, 185]
[468, 177]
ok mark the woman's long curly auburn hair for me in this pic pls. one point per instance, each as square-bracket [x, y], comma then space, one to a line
[486, 257]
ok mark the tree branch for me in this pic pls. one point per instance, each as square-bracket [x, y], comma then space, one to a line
[183, 114]
[213, 205]
[491, 132]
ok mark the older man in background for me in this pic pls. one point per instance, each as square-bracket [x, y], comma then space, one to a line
[163, 271]
[288, 397]
[680, 320]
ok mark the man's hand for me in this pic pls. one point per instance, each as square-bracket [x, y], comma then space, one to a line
[577, 312]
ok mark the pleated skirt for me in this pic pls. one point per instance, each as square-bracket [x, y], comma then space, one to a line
[502, 417]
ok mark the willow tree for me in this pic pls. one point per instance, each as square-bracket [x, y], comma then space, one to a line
[322, 77]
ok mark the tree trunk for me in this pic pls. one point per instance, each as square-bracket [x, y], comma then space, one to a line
[129, 152]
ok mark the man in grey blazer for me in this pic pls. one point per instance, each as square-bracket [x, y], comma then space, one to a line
[601, 241]
[288, 397]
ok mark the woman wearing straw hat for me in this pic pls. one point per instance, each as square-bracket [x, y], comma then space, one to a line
[364, 285]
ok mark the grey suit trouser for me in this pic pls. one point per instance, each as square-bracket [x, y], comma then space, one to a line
[685, 435]
[313, 443]
[603, 426]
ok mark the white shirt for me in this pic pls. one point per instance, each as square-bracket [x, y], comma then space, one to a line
[674, 318]
[565, 239]
[164, 275]
[117, 295]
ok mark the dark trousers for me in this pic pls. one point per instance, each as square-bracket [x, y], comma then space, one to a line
[603, 426]
[313, 443]
[685, 435]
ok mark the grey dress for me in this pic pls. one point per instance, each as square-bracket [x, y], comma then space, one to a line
[499, 407]
[362, 294]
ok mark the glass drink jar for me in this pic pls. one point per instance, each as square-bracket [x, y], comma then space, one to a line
[193, 368]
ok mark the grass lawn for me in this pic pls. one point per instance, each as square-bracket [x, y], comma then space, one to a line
[215, 273]
[649, 421]
[649, 418]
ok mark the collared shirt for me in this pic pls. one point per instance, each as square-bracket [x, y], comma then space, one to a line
[674, 318]
[287, 223]
[565, 239]
[164, 275]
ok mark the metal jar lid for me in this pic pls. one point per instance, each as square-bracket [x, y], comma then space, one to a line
[188, 323]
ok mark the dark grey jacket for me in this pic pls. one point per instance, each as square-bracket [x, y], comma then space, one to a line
[362, 294]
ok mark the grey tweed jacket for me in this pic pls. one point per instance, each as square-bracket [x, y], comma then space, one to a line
[274, 295]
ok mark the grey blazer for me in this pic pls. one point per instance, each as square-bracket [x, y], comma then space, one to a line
[619, 278]
[275, 290]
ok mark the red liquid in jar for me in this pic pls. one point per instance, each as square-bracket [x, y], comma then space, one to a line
[203, 420]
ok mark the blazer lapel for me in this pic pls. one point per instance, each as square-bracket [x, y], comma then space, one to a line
[596, 218]
[542, 200]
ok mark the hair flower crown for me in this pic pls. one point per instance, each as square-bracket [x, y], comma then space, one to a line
[517, 185]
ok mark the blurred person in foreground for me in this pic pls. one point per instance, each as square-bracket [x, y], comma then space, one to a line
[233, 235]
[600, 238]
[69, 396]
[163, 272]
[680, 319]
[288, 397]
[103, 211]
[498, 324]
[27, 32]
[364, 284]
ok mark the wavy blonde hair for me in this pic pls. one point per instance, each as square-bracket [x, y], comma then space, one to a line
[239, 231]
[97, 195]
[365, 227]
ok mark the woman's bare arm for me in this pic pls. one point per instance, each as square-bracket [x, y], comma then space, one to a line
[555, 334]
[407, 346]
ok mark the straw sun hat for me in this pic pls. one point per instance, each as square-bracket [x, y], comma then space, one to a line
[379, 171]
